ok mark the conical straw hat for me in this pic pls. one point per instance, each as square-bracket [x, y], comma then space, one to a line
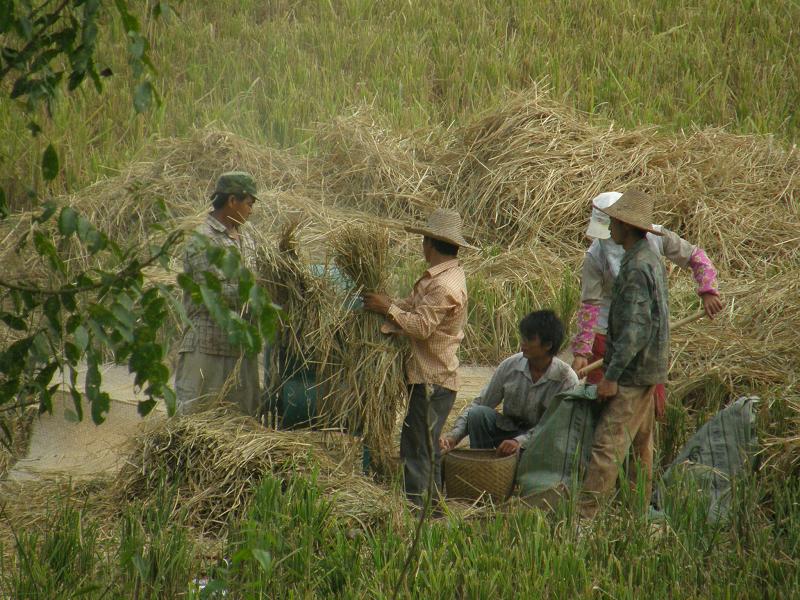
[445, 225]
[634, 208]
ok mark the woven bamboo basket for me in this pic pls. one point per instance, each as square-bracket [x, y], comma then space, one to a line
[470, 474]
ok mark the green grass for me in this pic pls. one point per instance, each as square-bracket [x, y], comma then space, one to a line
[270, 71]
[290, 545]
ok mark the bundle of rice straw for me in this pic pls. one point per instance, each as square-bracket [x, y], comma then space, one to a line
[526, 173]
[216, 460]
[307, 302]
[366, 380]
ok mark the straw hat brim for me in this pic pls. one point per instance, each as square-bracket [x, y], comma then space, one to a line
[460, 241]
[625, 218]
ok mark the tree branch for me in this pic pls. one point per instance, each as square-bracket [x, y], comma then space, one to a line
[125, 272]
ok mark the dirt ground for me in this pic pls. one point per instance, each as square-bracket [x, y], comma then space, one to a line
[63, 449]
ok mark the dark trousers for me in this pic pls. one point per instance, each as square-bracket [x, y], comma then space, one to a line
[426, 416]
[483, 431]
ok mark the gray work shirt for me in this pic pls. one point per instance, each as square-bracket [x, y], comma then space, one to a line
[524, 401]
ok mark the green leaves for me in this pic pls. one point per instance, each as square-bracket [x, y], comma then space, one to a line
[67, 221]
[110, 310]
[228, 290]
[45, 44]
[13, 321]
[49, 163]
[45, 248]
[143, 96]
[92, 314]
[89, 314]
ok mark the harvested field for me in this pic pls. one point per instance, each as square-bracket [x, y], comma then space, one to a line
[522, 176]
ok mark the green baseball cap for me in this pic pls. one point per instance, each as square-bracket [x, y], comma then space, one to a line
[236, 182]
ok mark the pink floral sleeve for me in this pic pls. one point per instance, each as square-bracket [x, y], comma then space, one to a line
[703, 272]
[584, 338]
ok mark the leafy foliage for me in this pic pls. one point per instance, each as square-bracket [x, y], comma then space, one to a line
[46, 45]
[110, 310]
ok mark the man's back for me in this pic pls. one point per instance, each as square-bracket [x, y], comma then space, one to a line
[638, 343]
[433, 319]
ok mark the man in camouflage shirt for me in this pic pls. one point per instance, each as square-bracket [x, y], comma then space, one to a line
[636, 358]
[209, 366]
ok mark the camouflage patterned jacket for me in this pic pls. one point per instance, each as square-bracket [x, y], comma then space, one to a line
[637, 347]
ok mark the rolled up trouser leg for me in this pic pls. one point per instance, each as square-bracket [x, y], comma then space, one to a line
[426, 416]
[620, 422]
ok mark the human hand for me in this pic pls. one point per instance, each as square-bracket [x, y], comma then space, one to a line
[447, 443]
[377, 303]
[606, 389]
[508, 447]
[578, 363]
[711, 304]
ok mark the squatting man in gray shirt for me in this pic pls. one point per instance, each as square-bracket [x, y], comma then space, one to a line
[524, 383]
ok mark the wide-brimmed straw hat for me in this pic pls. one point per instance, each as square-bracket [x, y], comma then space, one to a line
[445, 225]
[599, 221]
[634, 208]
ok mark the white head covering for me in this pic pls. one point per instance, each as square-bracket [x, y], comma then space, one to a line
[599, 221]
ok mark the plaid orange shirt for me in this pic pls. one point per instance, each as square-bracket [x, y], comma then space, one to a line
[433, 319]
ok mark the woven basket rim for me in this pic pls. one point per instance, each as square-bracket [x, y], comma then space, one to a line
[479, 454]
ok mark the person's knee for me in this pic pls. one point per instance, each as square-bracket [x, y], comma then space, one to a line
[478, 416]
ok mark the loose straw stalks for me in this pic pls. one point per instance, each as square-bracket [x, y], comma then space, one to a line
[368, 386]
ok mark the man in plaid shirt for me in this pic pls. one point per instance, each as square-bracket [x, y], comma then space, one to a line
[433, 319]
[209, 366]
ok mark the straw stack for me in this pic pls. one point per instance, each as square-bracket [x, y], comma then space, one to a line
[216, 460]
[526, 172]
[367, 385]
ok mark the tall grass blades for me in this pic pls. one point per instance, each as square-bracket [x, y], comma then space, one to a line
[665, 62]
[60, 561]
[155, 550]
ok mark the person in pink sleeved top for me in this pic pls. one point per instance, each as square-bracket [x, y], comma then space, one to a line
[600, 268]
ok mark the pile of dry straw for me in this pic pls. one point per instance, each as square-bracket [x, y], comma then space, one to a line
[216, 460]
[522, 177]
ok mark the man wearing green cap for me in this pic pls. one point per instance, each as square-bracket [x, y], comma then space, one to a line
[209, 365]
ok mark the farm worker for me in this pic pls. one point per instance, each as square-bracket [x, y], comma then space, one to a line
[433, 319]
[524, 383]
[600, 267]
[637, 349]
[207, 359]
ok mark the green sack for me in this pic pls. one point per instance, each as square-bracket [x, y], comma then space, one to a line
[719, 451]
[560, 447]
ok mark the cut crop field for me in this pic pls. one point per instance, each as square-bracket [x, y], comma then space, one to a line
[357, 118]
